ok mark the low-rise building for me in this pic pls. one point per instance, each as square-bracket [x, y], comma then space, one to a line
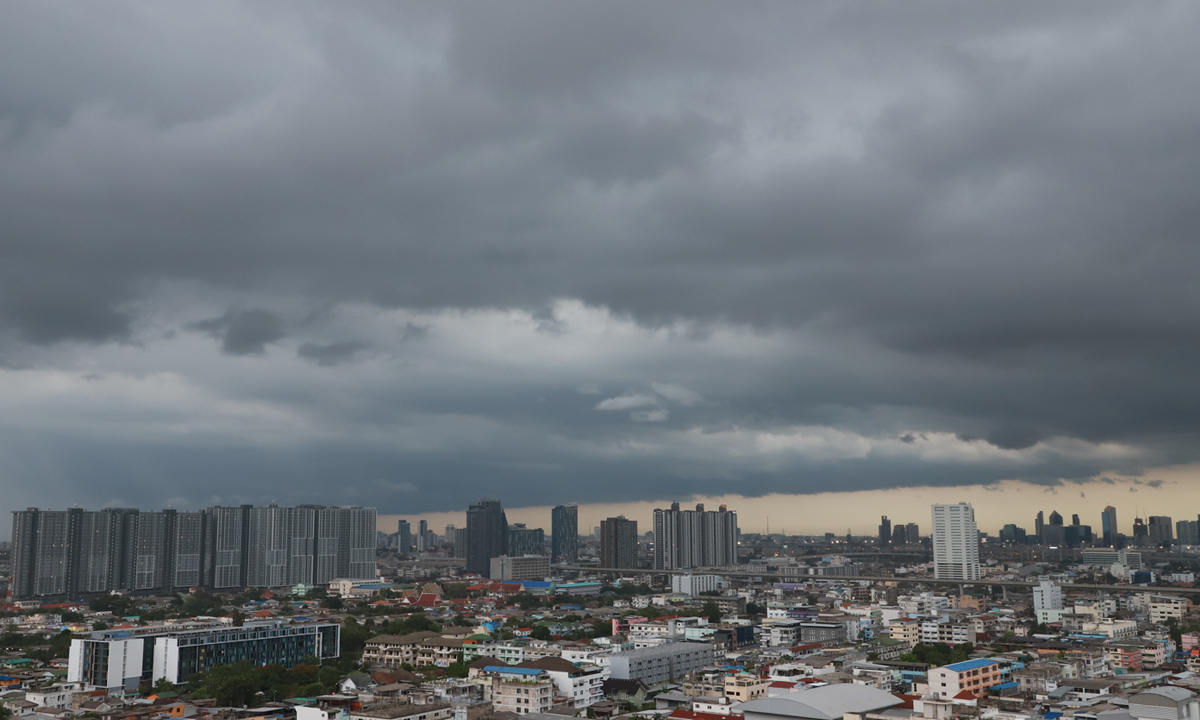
[520, 690]
[1166, 607]
[582, 684]
[524, 567]
[661, 663]
[972, 676]
[744, 687]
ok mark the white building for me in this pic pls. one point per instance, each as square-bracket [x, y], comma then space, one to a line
[660, 664]
[1164, 607]
[693, 585]
[955, 542]
[1048, 601]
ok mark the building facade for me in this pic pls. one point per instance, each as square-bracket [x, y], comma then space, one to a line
[955, 542]
[524, 567]
[660, 663]
[618, 543]
[120, 660]
[686, 539]
[564, 534]
[69, 553]
[487, 535]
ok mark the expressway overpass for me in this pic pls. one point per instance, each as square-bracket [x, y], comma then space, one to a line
[898, 579]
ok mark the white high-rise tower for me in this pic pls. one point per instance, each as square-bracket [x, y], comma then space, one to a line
[955, 542]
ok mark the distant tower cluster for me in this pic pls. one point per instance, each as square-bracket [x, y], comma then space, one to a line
[66, 553]
[686, 539]
[955, 542]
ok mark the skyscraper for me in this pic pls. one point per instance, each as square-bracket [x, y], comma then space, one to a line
[955, 542]
[1039, 525]
[564, 534]
[1160, 531]
[694, 538]
[885, 531]
[912, 533]
[404, 531]
[525, 541]
[74, 552]
[487, 535]
[1108, 523]
[618, 543]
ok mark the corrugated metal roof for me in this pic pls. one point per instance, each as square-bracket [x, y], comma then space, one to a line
[970, 664]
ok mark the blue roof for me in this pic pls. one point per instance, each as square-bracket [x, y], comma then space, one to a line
[970, 664]
[1052, 715]
[512, 670]
[1006, 686]
[537, 584]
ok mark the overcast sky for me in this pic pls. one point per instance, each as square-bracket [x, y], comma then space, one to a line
[408, 255]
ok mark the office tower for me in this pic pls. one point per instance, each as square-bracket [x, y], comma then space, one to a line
[76, 552]
[686, 539]
[525, 541]
[404, 530]
[1011, 534]
[1108, 523]
[487, 535]
[899, 537]
[1075, 519]
[1055, 518]
[1039, 525]
[564, 534]
[1160, 531]
[1140, 532]
[618, 543]
[912, 533]
[1186, 532]
[955, 542]
[885, 531]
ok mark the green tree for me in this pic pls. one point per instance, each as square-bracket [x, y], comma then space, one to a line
[457, 670]
[601, 628]
[162, 685]
[711, 611]
[541, 631]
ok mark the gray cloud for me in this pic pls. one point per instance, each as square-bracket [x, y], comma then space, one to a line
[958, 228]
[248, 332]
[331, 354]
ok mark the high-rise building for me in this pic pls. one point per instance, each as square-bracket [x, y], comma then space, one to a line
[685, 539]
[564, 534]
[912, 533]
[1055, 518]
[1187, 532]
[1039, 525]
[955, 542]
[1075, 519]
[1160, 531]
[618, 543]
[899, 535]
[885, 531]
[1140, 532]
[525, 541]
[487, 535]
[74, 552]
[404, 541]
[1108, 524]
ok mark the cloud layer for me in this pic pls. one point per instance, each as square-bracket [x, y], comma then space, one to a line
[594, 252]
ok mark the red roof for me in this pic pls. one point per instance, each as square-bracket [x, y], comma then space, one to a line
[908, 700]
[782, 684]
[681, 714]
[965, 695]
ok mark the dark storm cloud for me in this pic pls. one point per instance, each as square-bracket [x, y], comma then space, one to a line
[331, 354]
[246, 332]
[972, 222]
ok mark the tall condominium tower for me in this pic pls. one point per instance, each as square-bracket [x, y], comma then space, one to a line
[564, 534]
[618, 543]
[487, 535]
[955, 542]
[525, 540]
[694, 538]
[404, 536]
[885, 531]
[1108, 524]
[68, 553]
